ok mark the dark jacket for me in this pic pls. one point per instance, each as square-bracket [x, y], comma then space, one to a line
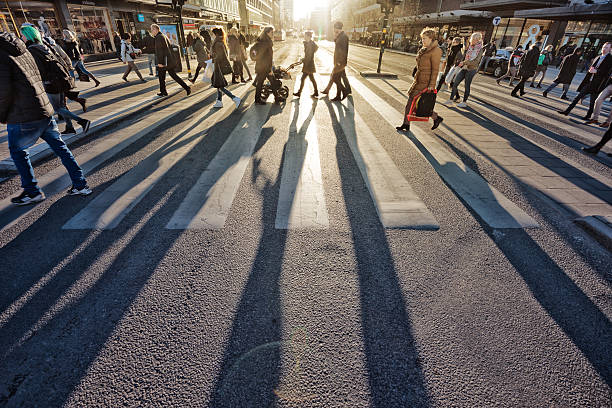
[243, 41]
[265, 55]
[341, 51]
[202, 52]
[490, 49]
[219, 57]
[42, 54]
[22, 95]
[451, 57]
[529, 62]
[163, 52]
[597, 82]
[72, 49]
[310, 47]
[148, 45]
[235, 52]
[567, 70]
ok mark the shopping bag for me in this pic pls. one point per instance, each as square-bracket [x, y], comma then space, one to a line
[452, 73]
[208, 71]
[422, 106]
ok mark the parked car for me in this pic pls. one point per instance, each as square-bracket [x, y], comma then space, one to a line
[498, 65]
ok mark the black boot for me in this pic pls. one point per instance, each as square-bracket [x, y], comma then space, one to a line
[404, 128]
[437, 122]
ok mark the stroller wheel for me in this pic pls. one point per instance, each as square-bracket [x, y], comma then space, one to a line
[283, 92]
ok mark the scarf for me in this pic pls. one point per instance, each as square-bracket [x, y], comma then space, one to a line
[423, 50]
[472, 52]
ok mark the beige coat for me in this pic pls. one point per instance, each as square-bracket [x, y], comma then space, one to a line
[428, 66]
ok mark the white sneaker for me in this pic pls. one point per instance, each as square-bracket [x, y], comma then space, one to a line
[462, 105]
[237, 101]
[218, 104]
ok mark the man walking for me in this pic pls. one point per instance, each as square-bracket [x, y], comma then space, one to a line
[594, 81]
[25, 108]
[166, 62]
[149, 49]
[340, 62]
[490, 50]
[527, 67]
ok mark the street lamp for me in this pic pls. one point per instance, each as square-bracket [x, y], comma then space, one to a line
[386, 6]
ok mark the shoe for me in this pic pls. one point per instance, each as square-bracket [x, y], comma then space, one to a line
[188, 90]
[538, 86]
[244, 81]
[162, 94]
[590, 150]
[498, 82]
[462, 105]
[514, 95]
[237, 101]
[437, 122]
[69, 131]
[84, 191]
[564, 97]
[591, 122]
[545, 94]
[250, 78]
[124, 78]
[404, 128]
[28, 198]
[586, 117]
[151, 74]
[83, 103]
[563, 112]
[235, 82]
[604, 124]
[315, 95]
[192, 80]
[85, 124]
[98, 83]
[297, 94]
[325, 91]
[531, 85]
[344, 96]
[522, 93]
[143, 80]
[218, 104]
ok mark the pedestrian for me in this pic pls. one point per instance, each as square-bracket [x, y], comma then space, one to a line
[263, 63]
[425, 75]
[452, 57]
[594, 82]
[513, 64]
[544, 61]
[308, 64]
[28, 114]
[128, 56]
[605, 94]
[220, 59]
[490, 50]
[202, 53]
[605, 139]
[148, 49]
[165, 62]
[527, 67]
[117, 42]
[566, 74]
[469, 67]
[244, 44]
[71, 47]
[55, 77]
[340, 62]
[235, 55]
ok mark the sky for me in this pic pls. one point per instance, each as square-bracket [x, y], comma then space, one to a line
[301, 8]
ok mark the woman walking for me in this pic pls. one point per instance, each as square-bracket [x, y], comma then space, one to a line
[202, 53]
[469, 67]
[235, 55]
[219, 56]
[308, 68]
[543, 62]
[128, 55]
[452, 57]
[71, 46]
[244, 44]
[263, 64]
[513, 63]
[566, 73]
[428, 65]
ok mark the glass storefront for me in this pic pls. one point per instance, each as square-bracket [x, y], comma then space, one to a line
[41, 14]
[92, 25]
[588, 35]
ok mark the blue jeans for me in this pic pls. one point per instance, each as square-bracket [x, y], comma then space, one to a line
[152, 61]
[22, 136]
[225, 91]
[81, 66]
[57, 101]
[468, 75]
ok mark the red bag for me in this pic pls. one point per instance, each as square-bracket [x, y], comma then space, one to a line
[422, 106]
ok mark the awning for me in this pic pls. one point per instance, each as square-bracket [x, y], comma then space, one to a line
[445, 17]
[576, 12]
[510, 5]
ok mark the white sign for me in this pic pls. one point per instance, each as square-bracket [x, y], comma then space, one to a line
[532, 35]
[496, 21]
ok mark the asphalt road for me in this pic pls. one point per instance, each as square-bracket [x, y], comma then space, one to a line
[344, 313]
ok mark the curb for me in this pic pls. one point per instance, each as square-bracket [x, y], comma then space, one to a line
[599, 227]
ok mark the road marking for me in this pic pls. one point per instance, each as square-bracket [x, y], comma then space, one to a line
[110, 207]
[208, 203]
[301, 201]
[491, 205]
[397, 204]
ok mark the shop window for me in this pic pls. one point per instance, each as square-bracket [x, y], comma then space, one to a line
[92, 27]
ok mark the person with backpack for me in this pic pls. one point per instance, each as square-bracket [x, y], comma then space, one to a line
[222, 68]
[262, 53]
[544, 60]
[244, 44]
[202, 54]
[567, 70]
[513, 64]
[165, 61]
[55, 76]
[128, 56]
[527, 67]
[28, 114]
[71, 46]
[308, 67]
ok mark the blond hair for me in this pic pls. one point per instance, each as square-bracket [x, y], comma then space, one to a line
[477, 35]
[429, 32]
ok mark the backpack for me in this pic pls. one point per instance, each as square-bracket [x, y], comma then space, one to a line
[56, 76]
[254, 51]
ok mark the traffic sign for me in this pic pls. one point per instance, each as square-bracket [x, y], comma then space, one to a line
[496, 21]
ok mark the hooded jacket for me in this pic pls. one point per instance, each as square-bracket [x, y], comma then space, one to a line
[428, 65]
[22, 95]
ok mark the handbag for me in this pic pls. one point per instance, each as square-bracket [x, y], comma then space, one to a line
[452, 73]
[422, 106]
[225, 66]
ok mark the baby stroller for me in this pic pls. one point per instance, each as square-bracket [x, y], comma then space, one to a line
[275, 85]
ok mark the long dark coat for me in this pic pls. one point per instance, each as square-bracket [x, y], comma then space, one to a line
[596, 82]
[310, 47]
[219, 56]
[163, 53]
[265, 55]
[567, 70]
[529, 62]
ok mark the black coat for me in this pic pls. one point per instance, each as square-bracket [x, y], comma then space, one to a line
[341, 50]
[163, 52]
[310, 47]
[529, 62]
[235, 51]
[567, 70]
[22, 95]
[148, 45]
[597, 82]
[265, 55]
[219, 57]
[72, 49]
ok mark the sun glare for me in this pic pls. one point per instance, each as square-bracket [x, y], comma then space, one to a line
[303, 8]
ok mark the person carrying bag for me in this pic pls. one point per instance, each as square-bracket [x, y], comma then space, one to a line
[222, 67]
